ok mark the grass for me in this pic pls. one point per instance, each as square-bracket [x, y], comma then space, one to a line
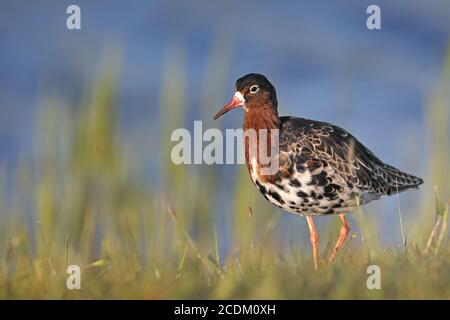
[82, 199]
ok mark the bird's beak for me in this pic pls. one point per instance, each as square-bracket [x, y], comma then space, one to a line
[237, 101]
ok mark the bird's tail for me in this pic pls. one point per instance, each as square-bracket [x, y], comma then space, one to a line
[399, 181]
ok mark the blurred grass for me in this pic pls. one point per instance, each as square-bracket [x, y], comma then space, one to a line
[75, 202]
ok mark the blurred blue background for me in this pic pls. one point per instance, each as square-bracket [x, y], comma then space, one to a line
[324, 62]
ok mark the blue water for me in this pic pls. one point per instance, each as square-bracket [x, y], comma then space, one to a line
[321, 57]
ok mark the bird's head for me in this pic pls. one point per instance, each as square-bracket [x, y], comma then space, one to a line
[253, 91]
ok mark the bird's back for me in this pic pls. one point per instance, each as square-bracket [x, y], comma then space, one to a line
[314, 140]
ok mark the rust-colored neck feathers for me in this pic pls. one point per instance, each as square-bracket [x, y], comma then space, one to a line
[260, 117]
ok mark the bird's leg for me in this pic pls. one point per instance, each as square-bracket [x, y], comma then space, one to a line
[314, 239]
[345, 229]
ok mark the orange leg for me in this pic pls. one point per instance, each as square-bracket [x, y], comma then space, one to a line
[314, 240]
[345, 229]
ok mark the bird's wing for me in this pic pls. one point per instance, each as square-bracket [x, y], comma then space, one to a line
[317, 144]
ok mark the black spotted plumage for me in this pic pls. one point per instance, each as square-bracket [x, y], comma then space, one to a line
[330, 171]
[330, 152]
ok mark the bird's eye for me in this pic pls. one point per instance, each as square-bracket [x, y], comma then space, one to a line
[254, 88]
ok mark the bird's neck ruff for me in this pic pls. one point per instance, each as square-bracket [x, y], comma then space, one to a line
[261, 123]
[262, 117]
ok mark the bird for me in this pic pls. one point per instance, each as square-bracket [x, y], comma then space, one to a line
[321, 168]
